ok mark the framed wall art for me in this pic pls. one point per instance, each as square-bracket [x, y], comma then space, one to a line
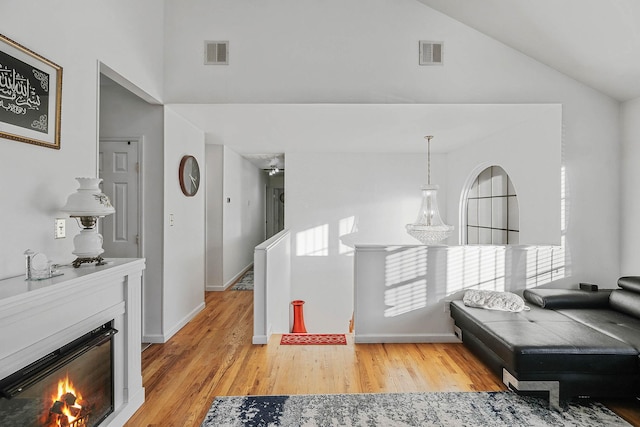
[30, 96]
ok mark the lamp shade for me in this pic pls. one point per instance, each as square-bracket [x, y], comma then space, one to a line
[88, 200]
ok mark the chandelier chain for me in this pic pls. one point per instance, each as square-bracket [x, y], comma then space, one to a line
[428, 138]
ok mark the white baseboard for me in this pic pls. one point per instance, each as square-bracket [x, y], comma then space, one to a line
[408, 338]
[260, 339]
[153, 339]
[217, 288]
[163, 338]
[238, 276]
[224, 287]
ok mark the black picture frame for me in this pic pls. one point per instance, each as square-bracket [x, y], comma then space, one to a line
[30, 96]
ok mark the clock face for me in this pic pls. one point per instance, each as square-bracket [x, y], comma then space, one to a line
[189, 175]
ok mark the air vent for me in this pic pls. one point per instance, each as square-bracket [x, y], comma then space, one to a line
[431, 53]
[216, 53]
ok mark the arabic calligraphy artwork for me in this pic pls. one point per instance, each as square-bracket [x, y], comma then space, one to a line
[30, 96]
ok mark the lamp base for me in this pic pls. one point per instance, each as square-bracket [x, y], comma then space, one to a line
[79, 261]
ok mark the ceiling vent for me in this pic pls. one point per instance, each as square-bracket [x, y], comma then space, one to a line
[216, 53]
[431, 53]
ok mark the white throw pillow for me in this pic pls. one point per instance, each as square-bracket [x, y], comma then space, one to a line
[494, 300]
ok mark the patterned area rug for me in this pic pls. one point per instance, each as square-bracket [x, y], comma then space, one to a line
[245, 283]
[313, 339]
[407, 409]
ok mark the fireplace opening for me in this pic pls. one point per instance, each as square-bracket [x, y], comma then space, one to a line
[70, 387]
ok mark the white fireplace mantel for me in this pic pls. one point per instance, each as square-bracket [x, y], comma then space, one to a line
[37, 317]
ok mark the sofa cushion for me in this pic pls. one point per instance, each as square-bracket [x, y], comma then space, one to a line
[612, 323]
[567, 298]
[545, 341]
[630, 283]
[493, 300]
[626, 302]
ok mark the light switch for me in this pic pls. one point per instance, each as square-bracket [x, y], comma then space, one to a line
[60, 225]
[171, 220]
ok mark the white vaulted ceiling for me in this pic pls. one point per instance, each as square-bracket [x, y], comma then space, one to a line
[596, 42]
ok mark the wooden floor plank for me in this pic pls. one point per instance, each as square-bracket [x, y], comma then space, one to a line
[213, 356]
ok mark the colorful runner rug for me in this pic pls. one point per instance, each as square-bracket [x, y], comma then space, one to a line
[313, 339]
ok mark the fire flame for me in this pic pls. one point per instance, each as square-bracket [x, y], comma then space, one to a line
[66, 388]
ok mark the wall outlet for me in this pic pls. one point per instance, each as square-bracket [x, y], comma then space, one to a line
[60, 226]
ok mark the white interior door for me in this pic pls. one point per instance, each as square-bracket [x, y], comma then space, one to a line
[275, 211]
[119, 169]
[279, 209]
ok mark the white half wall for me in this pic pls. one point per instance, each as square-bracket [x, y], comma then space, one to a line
[184, 228]
[272, 287]
[400, 294]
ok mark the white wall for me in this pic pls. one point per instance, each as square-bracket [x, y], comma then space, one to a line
[530, 152]
[243, 213]
[630, 179]
[365, 51]
[214, 164]
[74, 34]
[184, 238]
[298, 51]
[337, 200]
[124, 115]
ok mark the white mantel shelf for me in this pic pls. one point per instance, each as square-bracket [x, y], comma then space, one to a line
[37, 317]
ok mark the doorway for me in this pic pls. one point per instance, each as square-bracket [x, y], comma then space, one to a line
[275, 205]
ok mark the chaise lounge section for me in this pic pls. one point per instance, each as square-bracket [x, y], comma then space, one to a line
[571, 343]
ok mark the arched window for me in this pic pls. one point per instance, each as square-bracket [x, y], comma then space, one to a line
[492, 209]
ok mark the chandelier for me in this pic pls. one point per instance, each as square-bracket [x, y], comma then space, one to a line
[429, 228]
[273, 167]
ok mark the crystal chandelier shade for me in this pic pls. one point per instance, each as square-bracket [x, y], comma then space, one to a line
[429, 228]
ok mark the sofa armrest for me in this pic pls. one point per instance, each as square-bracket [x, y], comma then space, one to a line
[630, 283]
[567, 298]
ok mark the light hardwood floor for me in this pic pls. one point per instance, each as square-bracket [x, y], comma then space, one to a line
[213, 356]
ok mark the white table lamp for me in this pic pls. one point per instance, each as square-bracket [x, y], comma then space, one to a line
[88, 204]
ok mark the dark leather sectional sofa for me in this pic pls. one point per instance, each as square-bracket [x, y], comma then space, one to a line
[572, 343]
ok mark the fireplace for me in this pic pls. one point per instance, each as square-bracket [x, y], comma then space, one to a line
[38, 317]
[70, 387]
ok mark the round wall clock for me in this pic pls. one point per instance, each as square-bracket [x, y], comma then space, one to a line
[189, 175]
